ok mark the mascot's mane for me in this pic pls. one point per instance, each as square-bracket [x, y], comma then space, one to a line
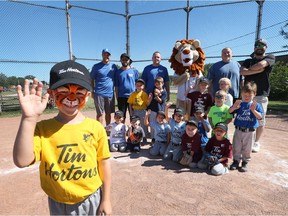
[195, 68]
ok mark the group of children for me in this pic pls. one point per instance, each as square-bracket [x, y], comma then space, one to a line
[73, 149]
[188, 142]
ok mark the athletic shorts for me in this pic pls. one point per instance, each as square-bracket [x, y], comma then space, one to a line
[89, 206]
[104, 104]
[263, 101]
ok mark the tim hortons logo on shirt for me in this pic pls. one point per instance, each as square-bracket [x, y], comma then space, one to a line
[68, 155]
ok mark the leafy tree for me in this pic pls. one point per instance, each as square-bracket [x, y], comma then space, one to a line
[206, 69]
[13, 80]
[21, 81]
[279, 82]
[3, 80]
[29, 77]
[284, 33]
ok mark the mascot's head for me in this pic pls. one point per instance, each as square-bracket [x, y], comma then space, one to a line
[187, 56]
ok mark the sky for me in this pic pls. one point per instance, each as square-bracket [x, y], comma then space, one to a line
[31, 33]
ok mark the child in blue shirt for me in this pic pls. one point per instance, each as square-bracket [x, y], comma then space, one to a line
[248, 112]
[177, 124]
[203, 125]
[162, 132]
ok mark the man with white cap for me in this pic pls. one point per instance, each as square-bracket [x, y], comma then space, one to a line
[258, 69]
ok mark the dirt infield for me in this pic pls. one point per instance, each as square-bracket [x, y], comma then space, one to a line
[145, 185]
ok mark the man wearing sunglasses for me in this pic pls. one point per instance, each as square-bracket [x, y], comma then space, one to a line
[258, 69]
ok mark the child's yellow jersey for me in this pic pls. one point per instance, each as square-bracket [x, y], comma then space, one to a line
[69, 156]
[138, 100]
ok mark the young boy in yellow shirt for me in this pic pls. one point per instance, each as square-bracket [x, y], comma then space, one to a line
[138, 102]
[72, 149]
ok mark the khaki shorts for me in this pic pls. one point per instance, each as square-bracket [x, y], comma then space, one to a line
[263, 101]
[104, 104]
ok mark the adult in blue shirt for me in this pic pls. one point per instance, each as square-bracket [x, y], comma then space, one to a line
[154, 70]
[103, 77]
[125, 81]
[225, 68]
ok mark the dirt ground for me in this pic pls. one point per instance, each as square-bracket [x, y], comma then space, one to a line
[145, 185]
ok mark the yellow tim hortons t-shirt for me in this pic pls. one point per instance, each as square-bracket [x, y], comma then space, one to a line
[69, 156]
[138, 100]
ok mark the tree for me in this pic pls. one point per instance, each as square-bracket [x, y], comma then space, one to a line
[29, 77]
[284, 33]
[3, 80]
[279, 82]
[13, 80]
[206, 69]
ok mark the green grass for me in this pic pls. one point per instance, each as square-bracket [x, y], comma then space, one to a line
[278, 105]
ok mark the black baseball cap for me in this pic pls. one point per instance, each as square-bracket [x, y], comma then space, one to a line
[203, 80]
[198, 109]
[134, 118]
[119, 113]
[179, 111]
[69, 72]
[124, 55]
[260, 41]
[192, 122]
[161, 113]
[222, 126]
[141, 80]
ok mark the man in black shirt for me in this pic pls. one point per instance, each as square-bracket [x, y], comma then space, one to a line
[258, 69]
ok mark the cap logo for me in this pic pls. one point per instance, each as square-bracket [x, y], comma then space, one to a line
[70, 70]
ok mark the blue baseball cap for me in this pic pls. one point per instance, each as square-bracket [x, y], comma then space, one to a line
[106, 50]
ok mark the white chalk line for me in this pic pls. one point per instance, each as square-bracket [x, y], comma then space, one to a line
[31, 169]
[277, 178]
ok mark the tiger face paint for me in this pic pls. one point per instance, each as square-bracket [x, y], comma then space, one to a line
[71, 96]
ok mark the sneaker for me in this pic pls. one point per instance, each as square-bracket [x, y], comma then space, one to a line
[256, 147]
[136, 149]
[234, 165]
[244, 167]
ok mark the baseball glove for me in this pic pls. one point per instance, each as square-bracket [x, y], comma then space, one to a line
[186, 159]
[212, 160]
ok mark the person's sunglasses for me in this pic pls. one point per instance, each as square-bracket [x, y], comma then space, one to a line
[260, 45]
[219, 96]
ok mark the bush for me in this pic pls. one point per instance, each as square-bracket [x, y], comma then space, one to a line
[279, 82]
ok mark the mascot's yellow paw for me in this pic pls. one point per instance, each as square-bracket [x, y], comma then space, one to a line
[187, 55]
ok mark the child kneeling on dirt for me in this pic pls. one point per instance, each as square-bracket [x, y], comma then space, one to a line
[218, 150]
[118, 131]
[191, 145]
[162, 133]
[177, 125]
[135, 134]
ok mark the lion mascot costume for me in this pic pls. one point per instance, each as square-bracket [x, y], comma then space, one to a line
[187, 61]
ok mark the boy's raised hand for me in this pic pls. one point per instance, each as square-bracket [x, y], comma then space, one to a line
[253, 105]
[31, 101]
[169, 104]
[237, 104]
